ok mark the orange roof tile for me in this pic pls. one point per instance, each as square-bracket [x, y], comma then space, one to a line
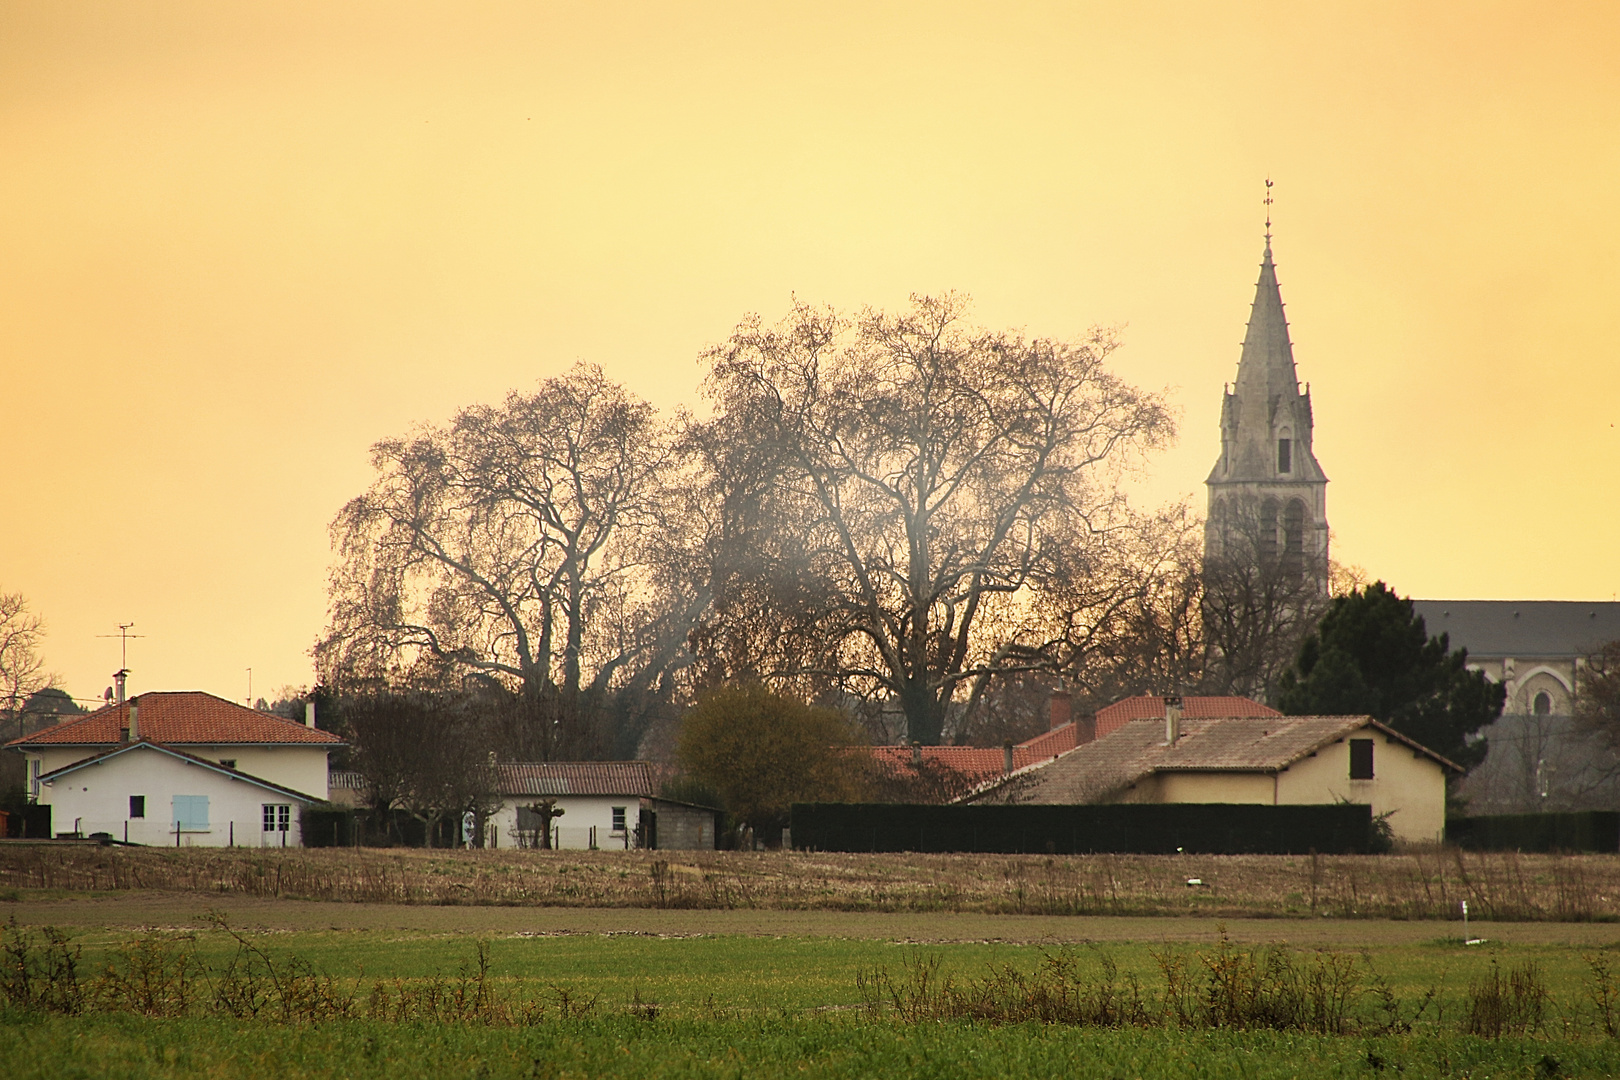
[178, 718]
[1151, 707]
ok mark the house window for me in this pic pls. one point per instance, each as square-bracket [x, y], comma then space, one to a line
[1285, 455]
[137, 806]
[618, 819]
[1543, 705]
[191, 813]
[277, 817]
[1361, 753]
[228, 762]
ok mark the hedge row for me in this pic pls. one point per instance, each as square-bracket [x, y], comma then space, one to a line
[1158, 828]
[1586, 830]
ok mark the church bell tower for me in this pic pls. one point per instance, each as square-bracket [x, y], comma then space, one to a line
[1267, 494]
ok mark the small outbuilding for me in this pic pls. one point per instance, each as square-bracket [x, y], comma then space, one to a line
[596, 804]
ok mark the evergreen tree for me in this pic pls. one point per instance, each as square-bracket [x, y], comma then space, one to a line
[1371, 654]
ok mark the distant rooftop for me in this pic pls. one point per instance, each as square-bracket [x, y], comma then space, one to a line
[1523, 629]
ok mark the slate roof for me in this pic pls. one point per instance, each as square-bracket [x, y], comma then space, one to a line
[1151, 706]
[1522, 629]
[628, 778]
[179, 718]
[190, 759]
[1098, 771]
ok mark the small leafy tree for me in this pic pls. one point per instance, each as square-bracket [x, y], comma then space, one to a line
[762, 752]
[1372, 655]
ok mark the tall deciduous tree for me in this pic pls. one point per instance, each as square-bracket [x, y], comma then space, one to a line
[524, 544]
[918, 480]
[1372, 655]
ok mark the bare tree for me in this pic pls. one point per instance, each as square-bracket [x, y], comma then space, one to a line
[425, 753]
[1260, 601]
[22, 668]
[520, 546]
[924, 480]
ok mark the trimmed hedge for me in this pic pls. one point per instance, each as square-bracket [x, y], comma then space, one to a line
[1134, 828]
[1585, 830]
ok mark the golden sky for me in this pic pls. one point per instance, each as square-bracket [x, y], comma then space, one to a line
[241, 242]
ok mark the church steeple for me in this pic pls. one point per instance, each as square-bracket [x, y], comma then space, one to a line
[1267, 470]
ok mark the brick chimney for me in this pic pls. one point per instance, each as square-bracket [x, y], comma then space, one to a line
[1061, 704]
[1172, 719]
[309, 714]
[1006, 757]
[1085, 730]
[134, 719]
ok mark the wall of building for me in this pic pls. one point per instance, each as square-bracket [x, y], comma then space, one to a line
[682, 827]
[302, 768]
[1408, 785]
[96, 799]
[581, 814]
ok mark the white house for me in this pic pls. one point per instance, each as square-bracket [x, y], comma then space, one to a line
[185, 768]
[604, 804]
[600, 801]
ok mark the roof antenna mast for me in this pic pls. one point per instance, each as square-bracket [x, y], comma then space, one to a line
[122, 673]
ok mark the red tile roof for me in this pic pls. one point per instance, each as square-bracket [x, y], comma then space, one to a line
[178, 718]
[627, 778]
[1151, 707]
[1058, 740]
[973, 762]
[980, 764]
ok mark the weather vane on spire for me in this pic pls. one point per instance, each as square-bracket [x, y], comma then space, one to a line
[1268, 211]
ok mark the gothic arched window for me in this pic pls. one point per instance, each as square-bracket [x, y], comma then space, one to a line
[1294, 530]
[1543, 704]
[1268, 529]
[1285, 451]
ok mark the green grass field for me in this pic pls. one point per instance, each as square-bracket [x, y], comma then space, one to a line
[693, 994]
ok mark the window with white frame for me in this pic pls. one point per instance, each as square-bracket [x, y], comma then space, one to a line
[277, 817]
[618, 818]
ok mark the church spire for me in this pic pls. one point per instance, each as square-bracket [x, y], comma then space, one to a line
[1266, 369]
[1268, 468]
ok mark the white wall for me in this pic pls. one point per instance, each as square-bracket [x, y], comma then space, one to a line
[96, 799]
[302, 768]
[582, 812]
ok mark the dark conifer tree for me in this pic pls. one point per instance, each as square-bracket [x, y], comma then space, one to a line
[1371, 654]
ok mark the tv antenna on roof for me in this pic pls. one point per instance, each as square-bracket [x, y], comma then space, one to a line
[123, 637]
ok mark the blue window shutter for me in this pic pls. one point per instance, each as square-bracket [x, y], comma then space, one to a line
[191, 811]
